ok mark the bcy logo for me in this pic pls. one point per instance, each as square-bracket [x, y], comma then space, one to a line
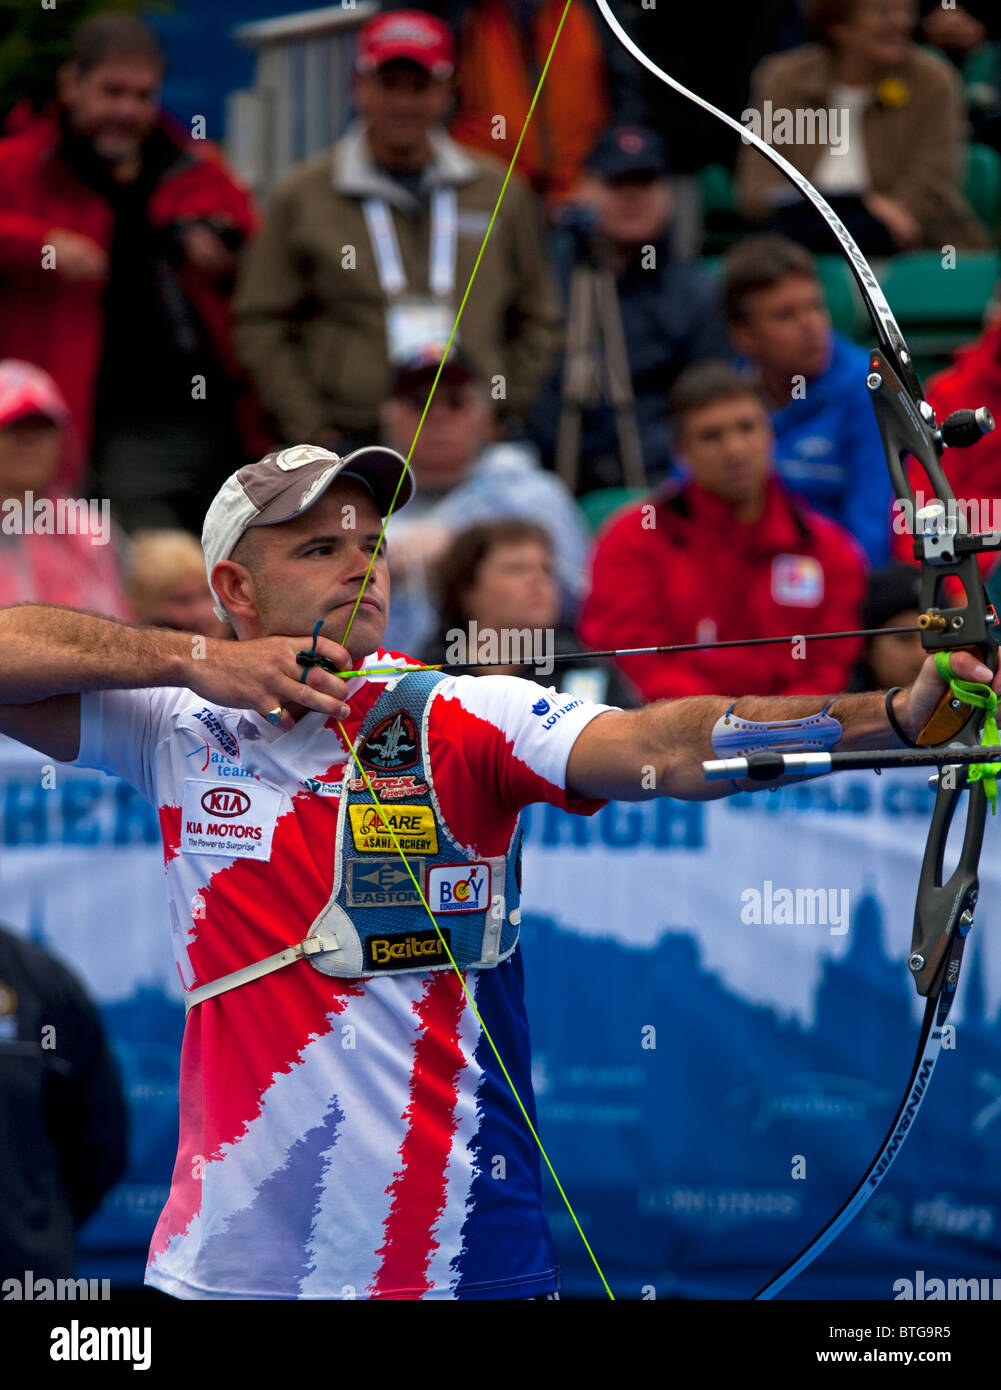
[227, 801]
[458, 887]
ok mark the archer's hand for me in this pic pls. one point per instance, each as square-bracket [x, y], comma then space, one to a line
[919, 701]
[262, 674]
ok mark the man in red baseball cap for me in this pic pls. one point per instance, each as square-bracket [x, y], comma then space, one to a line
[368, 250]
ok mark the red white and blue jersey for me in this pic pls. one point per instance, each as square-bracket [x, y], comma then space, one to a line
[339, 1138]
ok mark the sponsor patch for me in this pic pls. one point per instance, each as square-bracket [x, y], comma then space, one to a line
[413, 948]
[382, 882]
[235, 819]
[407, 785]
[414, 826]
[458, 887]
[393, 745]
[219, 732]
[797, 580]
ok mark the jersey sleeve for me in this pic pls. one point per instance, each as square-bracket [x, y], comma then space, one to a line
[120, 731]
[515, 738]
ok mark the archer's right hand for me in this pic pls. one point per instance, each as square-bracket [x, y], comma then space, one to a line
[262, 673]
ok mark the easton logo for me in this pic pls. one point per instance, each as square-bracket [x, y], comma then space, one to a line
[227, 801]
[393, 744]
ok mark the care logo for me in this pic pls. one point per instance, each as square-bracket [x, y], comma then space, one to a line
[373, 829]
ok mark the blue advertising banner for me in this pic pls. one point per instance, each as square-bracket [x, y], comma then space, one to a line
[722, 1019]
[723, 1026]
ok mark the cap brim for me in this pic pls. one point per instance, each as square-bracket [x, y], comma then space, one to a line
[381, 468]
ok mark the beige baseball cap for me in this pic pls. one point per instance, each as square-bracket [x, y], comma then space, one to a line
[286, 483]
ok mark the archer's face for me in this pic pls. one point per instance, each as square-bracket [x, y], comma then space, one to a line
[786, 329]
[728, 447]
[313, 567]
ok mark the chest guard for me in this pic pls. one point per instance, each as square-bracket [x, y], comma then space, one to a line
[375, 910]
[375, 921]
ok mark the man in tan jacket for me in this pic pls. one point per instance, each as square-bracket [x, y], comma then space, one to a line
[367, 250]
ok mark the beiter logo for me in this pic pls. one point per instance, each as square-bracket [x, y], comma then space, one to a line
[227, 801]
[409, 952]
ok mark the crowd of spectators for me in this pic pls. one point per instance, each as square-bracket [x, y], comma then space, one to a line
[159, 329]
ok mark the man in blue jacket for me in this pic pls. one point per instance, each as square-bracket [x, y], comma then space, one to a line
[621, 219]
[827, 446]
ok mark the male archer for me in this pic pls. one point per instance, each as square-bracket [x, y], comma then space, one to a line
[343, 1116]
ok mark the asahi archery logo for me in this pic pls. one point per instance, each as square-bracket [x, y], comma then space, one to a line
[796, 907]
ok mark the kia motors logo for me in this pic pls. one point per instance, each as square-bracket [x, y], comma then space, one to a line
[226, 801]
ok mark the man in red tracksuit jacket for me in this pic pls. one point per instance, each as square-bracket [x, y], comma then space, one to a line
[725, 554]
[118, 235]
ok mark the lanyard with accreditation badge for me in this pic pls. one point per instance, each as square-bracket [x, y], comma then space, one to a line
[413, 320]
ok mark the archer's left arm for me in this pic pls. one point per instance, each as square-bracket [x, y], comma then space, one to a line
[634, 755]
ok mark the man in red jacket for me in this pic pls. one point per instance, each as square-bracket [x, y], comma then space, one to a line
[118, 236]
[729, 553]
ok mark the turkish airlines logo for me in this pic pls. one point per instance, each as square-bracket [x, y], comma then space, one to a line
[226, 801]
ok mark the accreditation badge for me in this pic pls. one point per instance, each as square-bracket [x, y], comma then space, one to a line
[413, 321]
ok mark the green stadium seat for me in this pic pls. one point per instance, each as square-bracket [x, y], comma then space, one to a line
[982, 185]
[844, 303]
[716, 183]
[937, 308]
[722, 223]
[598, 506]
